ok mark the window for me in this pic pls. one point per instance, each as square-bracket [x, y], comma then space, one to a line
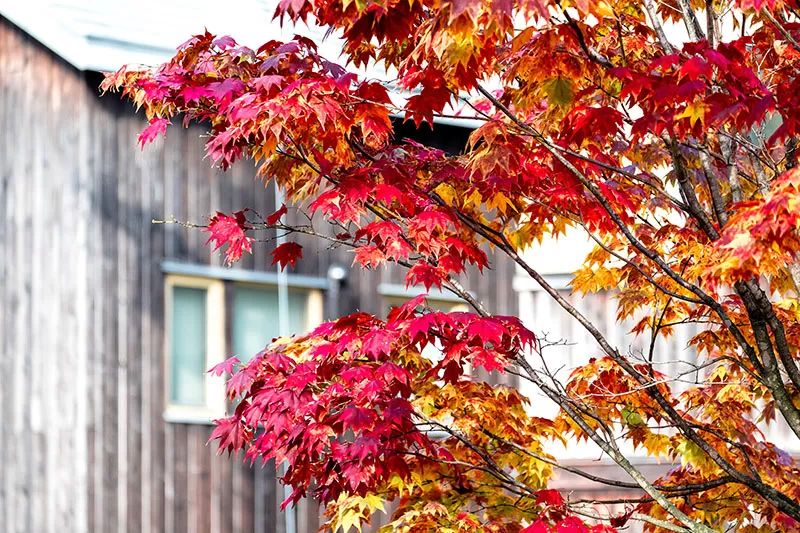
[195, 341]
[199, 311]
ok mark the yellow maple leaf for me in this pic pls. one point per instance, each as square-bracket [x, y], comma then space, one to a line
[695, 112]
[446, 192]
[501, 202]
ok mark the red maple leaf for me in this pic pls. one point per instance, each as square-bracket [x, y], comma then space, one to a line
[230, 230]
[488, 359]
[369, 256]
[156, 127]
[357, 418]
[432, 220]
[240, 382]
[193, 93]
[287, 254]
[225, 367]
[232, 434]
[426, 275]
[549, 498]
[225, 91]
[225, 41]
[486, 330]
[621, 519]
[276, 216]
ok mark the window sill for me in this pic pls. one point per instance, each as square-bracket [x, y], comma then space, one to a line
[182, 415]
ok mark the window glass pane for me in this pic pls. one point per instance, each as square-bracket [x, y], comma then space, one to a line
[256, 320]
[188, 346]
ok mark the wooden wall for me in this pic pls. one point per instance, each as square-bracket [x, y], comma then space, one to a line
[83, 444]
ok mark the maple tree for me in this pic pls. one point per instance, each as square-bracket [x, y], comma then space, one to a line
[665, 130]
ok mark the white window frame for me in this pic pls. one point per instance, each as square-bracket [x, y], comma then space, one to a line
[214, 405]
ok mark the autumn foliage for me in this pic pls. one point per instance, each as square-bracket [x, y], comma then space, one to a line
[666, 131]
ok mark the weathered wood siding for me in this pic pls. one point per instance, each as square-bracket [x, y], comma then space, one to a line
[83, 444]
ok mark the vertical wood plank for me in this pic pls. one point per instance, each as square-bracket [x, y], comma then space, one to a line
[155, 386]
[7, 294]
[134, 213]
[113, 372]
[170, 488]
[180, 473]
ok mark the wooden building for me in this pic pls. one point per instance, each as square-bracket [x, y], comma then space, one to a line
[104, 417]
